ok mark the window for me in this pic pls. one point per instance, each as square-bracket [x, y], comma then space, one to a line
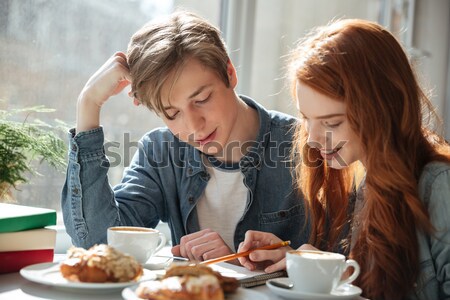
[50, 48]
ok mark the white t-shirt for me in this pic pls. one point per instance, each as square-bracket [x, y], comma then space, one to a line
[223, 202]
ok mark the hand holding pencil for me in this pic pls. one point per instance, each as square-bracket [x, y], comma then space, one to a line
[245, 253]
[268, 260]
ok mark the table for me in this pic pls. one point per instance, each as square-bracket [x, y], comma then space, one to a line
[14, 287]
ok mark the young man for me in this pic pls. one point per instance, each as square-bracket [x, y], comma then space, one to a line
[220, 168]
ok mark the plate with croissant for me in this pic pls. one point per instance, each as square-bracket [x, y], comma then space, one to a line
[186, 282]
[99, 268]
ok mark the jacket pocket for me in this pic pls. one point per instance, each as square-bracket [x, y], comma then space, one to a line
[287, 224]
[282, 216]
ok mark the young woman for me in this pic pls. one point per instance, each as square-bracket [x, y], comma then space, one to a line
[210, 174]
[361, 104]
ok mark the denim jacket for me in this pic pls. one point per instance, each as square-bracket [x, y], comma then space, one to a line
[433, 282]
[166, 177]
[434, 191]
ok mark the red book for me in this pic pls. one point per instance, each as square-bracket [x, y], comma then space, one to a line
[13, 261]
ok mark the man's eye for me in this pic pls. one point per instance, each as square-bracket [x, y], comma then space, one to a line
[204, 100]
[172, 116]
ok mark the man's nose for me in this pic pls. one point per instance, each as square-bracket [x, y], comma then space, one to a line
[194, 121]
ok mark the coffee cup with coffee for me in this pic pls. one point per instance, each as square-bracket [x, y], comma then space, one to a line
[319, 272]
[139, 242]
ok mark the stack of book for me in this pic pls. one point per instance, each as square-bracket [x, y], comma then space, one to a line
[25, 238]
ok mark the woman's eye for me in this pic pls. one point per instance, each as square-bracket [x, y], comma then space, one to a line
[332, 125]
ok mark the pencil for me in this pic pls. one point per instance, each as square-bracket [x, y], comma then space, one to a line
[242, 254]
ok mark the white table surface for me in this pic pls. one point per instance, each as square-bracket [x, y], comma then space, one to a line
[14, 287]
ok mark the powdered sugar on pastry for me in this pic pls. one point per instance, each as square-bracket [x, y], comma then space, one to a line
[100, 263]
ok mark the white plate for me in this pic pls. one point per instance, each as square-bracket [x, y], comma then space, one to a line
[240, 294]
[344, 292]
[49, 274]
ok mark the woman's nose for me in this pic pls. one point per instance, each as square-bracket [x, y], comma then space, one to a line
[316, 137]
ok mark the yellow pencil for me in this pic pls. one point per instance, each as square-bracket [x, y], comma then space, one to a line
[242, 254]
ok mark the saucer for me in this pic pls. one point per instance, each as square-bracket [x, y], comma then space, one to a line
[343, 292]
[158, 263]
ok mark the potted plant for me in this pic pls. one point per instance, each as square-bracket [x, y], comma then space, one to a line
[25, 143]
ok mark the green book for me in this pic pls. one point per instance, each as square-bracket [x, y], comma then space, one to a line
[18, 217]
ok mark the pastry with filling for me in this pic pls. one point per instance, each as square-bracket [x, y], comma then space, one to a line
[204, 287]
[186, 282]
[228, 284]
[100, 263]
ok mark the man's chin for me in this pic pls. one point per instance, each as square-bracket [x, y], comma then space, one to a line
[209, 148]
[213, 150]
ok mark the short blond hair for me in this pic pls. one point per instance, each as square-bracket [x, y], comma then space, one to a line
[164, 45]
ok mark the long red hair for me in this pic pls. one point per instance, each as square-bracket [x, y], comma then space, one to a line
[362, 64]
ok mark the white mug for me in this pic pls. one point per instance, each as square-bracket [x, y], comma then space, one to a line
[139, 242]
[318, 271]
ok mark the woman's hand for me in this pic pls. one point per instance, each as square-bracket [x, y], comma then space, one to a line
[269, 260]
[108, 81]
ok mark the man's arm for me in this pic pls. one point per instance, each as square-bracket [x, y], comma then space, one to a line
[108, 81]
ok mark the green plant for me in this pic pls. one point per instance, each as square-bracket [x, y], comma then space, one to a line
[23, 143]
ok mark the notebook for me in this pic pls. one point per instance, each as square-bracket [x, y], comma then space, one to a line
[246, 277]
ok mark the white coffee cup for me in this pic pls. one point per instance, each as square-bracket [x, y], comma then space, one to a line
[139, 242]
[318, 271]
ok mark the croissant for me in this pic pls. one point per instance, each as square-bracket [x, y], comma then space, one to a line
[100, 263]
[228, 284]
[188, 282]
[204, 287]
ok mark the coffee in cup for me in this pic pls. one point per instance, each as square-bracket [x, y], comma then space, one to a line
[318, 271]
[139, 242]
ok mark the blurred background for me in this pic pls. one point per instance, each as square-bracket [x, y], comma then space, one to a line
[49, 49]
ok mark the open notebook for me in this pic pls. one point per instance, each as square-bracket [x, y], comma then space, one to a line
[246, 278]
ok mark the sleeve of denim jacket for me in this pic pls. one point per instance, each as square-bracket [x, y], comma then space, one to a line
[148, 182]
[439, 211]
[89, 203]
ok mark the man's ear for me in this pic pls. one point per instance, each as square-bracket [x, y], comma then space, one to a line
[232, 76]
